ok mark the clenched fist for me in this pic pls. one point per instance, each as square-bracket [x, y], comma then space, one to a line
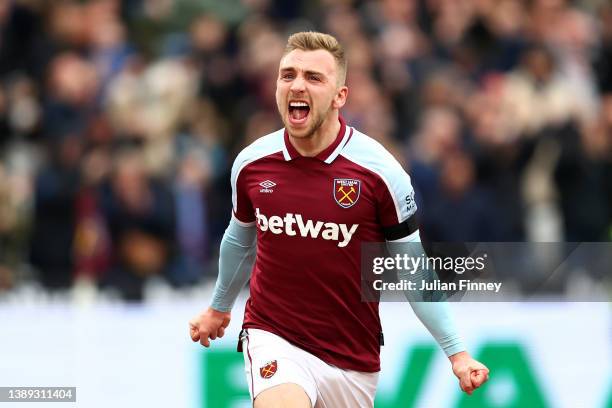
[471, 373]
[209, 324]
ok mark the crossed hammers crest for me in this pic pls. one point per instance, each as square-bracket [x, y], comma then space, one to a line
[346, 194]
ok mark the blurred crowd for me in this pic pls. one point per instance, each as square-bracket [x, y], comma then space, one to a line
[119, 121]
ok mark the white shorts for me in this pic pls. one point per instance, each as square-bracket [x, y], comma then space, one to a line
[270, 360]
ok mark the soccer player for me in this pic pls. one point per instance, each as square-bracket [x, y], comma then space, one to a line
[304, 199]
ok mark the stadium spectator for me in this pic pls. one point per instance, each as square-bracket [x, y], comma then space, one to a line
[527, 83]
[139, 213]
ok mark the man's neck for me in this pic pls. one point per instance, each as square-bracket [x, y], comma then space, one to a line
[320, 140]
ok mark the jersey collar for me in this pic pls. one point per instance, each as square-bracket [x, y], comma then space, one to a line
[330, 153]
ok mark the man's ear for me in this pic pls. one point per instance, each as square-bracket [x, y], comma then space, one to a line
[340, 97]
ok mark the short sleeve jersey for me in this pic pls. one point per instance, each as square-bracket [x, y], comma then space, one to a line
[312, 214]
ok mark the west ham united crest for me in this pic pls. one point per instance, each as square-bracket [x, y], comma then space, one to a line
[346, 192]
[269, 369]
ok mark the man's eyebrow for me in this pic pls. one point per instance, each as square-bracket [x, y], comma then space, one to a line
[308, 72]
[311, 72]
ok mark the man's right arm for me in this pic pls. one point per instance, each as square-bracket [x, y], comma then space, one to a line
[237, 251]
[236, 257]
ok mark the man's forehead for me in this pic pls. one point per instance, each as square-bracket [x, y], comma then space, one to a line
[317, 60]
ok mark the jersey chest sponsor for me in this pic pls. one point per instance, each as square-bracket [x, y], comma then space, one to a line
[293, 224]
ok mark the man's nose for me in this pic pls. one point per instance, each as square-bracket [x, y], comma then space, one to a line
[297, 85]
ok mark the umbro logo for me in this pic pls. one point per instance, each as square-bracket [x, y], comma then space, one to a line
[267, 186]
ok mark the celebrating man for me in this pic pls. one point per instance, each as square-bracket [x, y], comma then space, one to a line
[304, 199]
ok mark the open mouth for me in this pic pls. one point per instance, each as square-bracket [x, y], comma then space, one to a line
[298, 112]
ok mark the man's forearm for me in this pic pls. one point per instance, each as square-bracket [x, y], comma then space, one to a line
[236, 257]
[435, 315]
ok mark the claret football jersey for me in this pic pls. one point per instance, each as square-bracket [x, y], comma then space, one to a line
[311, 215]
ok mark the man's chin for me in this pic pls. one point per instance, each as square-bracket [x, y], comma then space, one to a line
[300, 131]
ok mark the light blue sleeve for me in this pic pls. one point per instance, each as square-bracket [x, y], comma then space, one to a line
[236, 258]
[435, 315]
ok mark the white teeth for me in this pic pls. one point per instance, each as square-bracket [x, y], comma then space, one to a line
[298, 104]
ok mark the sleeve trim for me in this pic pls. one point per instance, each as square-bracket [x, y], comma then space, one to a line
[242, 223]
[401, 230]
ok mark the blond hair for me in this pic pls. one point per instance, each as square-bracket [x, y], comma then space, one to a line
[312, 41]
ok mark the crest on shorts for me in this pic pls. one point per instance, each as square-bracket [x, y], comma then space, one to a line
[269, 369]
[346, 192]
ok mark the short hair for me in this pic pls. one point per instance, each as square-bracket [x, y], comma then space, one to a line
[312, 41]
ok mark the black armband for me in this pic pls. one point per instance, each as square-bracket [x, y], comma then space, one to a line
[401, 230]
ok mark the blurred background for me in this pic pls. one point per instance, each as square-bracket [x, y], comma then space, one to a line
[119, 122]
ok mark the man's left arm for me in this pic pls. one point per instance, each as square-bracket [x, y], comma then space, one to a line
[436, 317]
[396, 207]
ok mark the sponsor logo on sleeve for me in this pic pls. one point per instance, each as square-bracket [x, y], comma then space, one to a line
[410, 203]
